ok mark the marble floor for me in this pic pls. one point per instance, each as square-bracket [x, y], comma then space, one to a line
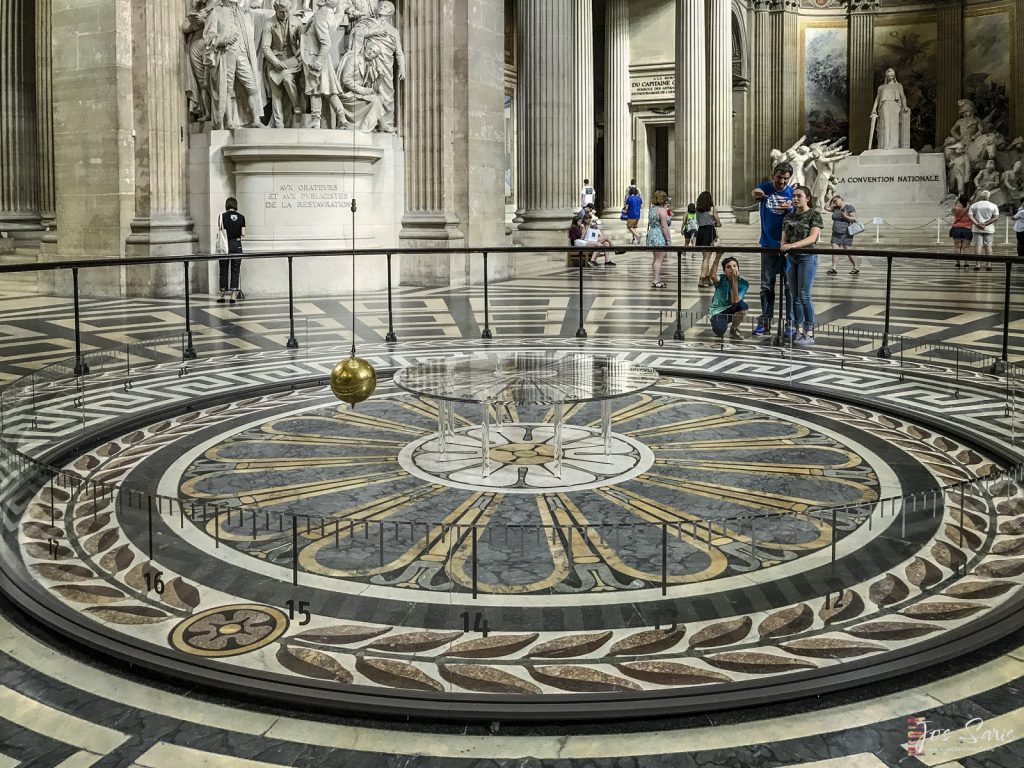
[65, 705]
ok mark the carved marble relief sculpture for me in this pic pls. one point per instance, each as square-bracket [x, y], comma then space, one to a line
[292, 53]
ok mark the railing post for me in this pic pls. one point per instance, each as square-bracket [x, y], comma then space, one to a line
[999, 366]
[581, 332]
[780, 339]
[884, 352]
[678, 335]
[81, 367]
[390, 336]
[292, 342]
[189, 352]
[486, 332]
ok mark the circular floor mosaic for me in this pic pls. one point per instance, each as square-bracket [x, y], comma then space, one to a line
[730, 533]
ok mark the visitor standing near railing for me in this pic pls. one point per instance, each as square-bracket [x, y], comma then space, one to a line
[843, 215]
[659, 234]
[775, 199]
[233, 224]
[984, 214]
[1018, 228]
[961, 229]
[801, 229]
[707, 232]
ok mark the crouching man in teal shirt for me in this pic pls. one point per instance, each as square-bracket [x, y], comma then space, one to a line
[728, 305]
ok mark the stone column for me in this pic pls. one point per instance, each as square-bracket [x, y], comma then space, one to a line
[618, 140]
[427, 29]
[19, 187]
[787, 122]
[583, 115]
[1016, 76]
[950, 75]
[453, 123]
[44, 117]
[691, 118]
[761, 123]
[162, 225]
[860, 42]
[93, 156]
[555, 127]
[720, 135]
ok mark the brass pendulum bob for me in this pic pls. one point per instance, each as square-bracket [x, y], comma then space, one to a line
[353, 380]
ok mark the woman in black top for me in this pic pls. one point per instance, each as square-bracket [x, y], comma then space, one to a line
[233, 224]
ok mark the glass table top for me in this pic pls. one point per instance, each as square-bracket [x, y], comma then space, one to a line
[527, 378]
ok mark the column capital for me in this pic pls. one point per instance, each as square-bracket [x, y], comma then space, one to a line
[863, 6]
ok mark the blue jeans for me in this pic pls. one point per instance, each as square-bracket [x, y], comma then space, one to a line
[772, 264]
[802, 269]
[721, 321]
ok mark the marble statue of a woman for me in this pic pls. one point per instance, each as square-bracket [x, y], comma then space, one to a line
[890, 115]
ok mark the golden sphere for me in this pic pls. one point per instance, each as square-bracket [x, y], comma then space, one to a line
[353, 380]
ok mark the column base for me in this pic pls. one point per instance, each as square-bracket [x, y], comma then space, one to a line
[158, 236]
[432, 231]
[544, 227]
[24, 228]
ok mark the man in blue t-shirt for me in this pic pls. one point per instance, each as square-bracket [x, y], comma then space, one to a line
[776, 201]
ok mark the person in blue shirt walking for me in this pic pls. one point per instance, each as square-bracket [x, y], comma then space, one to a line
[727, 305]
[776, 201]
[631, 210]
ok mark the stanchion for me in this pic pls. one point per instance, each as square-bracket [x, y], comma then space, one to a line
[292, 342]
[391, 315]
[81, 367]
[884, 352]
[678, 335]
[581, 332]
[486, 332]
[189, 352]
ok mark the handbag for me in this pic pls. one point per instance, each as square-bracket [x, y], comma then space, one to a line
[854, 228]
[624, 216]
[221, 244]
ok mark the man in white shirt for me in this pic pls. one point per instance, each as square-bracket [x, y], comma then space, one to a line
[587, 194]
[983, 214]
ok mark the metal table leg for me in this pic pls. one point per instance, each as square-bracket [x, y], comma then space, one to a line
[485, 442]
[559, 412]
[606, 425]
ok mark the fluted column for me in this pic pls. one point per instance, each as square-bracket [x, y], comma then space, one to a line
[19, 187]
[761, 125]
[162, 225]
[618, 142]
[860, 42]
[787, 121]
[583, 116]
[44, 117]
[555, 115]
[428, 122]
[950, 61]
[1016, 76]
[720, 135]
[691, 118]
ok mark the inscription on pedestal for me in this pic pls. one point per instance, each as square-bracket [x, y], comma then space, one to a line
[307, 196]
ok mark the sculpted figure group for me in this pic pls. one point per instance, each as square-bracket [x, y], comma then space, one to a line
[294, 55]
[978, 157]
[813, 164]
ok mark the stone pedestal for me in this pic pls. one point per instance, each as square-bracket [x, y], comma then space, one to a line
[880, 181]
[294, 187]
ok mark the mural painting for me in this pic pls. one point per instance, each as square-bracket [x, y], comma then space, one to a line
[826, 84]
[987, 67]
[911, 49]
